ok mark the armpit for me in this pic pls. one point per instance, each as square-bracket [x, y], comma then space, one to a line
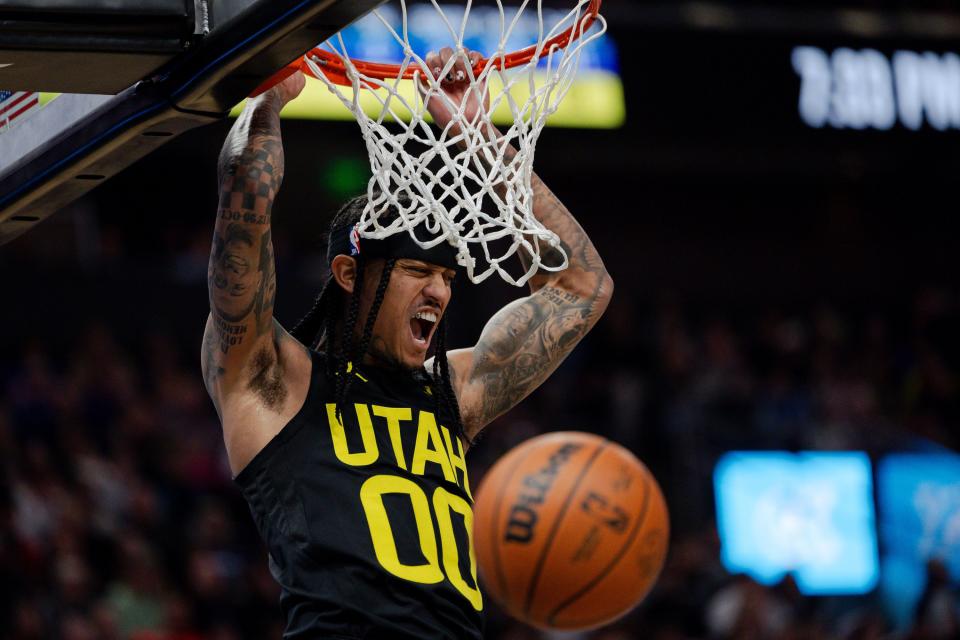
[268, 383]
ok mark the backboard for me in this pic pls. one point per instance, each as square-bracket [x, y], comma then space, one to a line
[220, 54]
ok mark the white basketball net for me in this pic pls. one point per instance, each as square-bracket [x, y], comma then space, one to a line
[466, 186]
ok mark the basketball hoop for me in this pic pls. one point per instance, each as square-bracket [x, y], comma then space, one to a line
[446, 180]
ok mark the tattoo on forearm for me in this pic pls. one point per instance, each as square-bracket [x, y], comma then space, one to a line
[267, 293]
[573, 239]
[244, 217]
[529, 338]
[524, 343]
[242, 278]
[552, 256]
[559, 296]
[249, 183]
[548, 209]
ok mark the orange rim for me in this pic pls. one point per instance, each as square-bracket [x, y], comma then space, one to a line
[336, 71]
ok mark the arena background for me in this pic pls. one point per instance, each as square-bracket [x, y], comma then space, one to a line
[786, 280]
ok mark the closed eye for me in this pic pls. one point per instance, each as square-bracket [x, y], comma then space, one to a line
[426, 272]
[415, 268]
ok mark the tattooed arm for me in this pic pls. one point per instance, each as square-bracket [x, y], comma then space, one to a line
[528, 339]
[242, 354]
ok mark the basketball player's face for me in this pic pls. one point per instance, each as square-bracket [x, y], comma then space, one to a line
[415, 300]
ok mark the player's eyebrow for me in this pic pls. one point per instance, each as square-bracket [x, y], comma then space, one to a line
[419, 265]
[411, 263]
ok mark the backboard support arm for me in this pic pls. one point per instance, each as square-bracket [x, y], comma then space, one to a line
[196, 88]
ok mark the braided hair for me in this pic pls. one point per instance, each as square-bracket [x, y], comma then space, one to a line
[318, 328]
[444, 395]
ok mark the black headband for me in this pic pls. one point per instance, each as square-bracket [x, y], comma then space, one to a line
[347, 241]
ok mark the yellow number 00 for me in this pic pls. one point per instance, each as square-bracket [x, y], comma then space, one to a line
[385, 546]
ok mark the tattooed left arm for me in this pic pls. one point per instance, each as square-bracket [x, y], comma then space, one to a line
[241, 341]
[528, 339]
[520, 347]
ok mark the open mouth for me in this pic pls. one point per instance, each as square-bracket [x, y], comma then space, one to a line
[421, 326]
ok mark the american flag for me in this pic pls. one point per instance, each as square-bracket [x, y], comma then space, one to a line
[14, 104]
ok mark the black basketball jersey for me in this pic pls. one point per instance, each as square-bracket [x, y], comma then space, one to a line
[368, 522]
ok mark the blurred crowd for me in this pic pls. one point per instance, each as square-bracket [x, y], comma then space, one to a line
[119, 520]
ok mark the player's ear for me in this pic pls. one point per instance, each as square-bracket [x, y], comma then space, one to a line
[344, 270]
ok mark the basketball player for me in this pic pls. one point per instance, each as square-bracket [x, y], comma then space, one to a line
[348, 447]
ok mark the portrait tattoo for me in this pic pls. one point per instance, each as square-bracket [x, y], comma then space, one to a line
[234, 282]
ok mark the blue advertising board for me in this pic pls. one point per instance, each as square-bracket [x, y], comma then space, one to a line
[919, 505]
[807, 514]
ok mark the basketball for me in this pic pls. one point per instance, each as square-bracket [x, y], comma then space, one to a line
[570, 531]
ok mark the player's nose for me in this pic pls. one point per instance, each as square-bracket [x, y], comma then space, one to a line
[437, 289]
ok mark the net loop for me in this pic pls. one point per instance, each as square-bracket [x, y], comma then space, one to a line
[468, 183]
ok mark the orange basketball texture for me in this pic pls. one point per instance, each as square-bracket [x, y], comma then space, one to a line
[570, 531]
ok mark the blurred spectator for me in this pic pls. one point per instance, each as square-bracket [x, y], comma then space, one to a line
[136, 598]
[938, 612]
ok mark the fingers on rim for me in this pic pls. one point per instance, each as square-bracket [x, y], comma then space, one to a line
[460, 69]
[433, 64]
[457, 71]
[443, 69]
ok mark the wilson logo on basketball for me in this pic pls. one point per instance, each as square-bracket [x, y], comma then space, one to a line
[523, 514]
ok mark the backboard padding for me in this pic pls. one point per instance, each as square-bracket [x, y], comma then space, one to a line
[197, 87]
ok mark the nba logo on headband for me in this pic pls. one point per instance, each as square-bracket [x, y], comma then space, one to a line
[355, 240]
